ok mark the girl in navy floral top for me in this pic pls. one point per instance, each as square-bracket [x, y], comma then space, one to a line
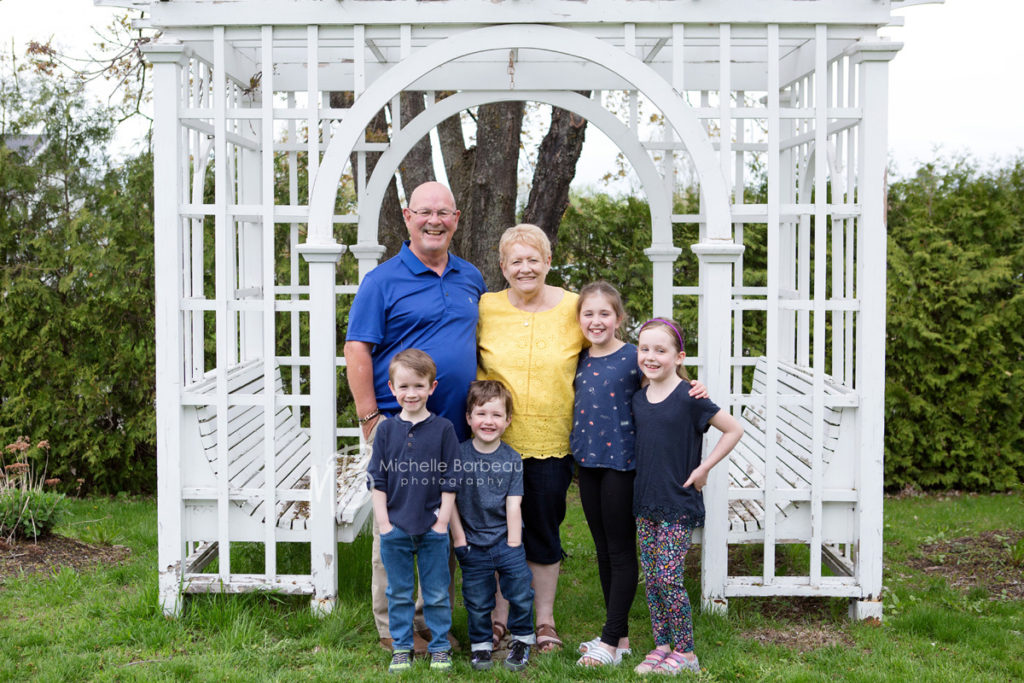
[603, 438]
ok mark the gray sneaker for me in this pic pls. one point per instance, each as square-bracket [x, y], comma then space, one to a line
[518, 656]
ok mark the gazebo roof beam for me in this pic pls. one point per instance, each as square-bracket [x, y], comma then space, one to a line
[531, 76]
[800, 61]
[697, 35]
[372, 47]
[653, 52]
[302, 12]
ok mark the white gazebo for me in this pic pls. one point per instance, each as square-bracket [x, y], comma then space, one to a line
[247, 357]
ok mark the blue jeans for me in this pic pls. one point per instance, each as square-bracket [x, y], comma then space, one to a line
[397, 551]
[478, 585]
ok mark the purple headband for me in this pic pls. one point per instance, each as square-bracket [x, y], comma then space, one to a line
[670, 324]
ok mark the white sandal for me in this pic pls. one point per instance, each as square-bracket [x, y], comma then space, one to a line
[600, 656]
[596, 642]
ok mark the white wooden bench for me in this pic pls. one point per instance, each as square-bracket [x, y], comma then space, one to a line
[247, 473]
[794, 436]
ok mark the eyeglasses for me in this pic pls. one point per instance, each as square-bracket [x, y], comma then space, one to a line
[443, 214]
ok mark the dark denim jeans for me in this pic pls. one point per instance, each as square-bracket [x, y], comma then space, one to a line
[430, 550]
[478, 587]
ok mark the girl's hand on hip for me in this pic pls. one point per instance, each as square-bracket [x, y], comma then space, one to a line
[698, 479]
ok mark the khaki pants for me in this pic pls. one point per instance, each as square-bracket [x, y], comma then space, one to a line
[379, 579]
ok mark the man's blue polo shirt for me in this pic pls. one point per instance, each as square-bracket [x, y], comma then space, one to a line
[403, 304]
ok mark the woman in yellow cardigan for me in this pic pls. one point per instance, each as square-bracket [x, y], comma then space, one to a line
[530, 340]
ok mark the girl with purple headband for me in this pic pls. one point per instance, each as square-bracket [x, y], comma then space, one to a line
[667, 500]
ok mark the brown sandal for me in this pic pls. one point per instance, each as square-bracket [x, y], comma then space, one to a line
[547, 639]
[498, 633]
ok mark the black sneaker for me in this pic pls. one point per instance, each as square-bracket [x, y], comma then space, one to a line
[518, 656]
[481, 660]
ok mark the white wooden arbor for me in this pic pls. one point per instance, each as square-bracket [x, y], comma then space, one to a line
[241, 90]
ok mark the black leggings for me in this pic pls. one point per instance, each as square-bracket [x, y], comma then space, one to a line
[607, 499]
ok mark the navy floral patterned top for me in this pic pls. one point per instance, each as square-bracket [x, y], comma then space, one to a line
[603, 434]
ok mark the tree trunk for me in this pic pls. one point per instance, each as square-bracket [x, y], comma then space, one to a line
[491, 205]
[418, 166]
[556, 167]
[458, 166]
[483, 178]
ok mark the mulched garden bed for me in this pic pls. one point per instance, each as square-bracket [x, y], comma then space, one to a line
[53, 552]
[983, 561]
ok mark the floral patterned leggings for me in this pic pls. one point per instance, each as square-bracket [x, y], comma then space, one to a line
[663, 548]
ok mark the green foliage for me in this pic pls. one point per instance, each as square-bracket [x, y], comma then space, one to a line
[603, 238]
[76, 290]
[954, 376]
[1017, 553]
[26, 509]
[29, 513]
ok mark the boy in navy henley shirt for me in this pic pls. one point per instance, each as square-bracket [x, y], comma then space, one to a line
[414, 473]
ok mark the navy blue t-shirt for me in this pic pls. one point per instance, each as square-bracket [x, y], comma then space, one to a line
[487, 480]
[603, 434]
[669, 437]
[402, 304]
[413, 464]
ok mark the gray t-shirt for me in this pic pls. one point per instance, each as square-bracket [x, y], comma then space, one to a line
[487, 480]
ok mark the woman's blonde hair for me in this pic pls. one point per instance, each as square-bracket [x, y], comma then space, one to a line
[524, 233]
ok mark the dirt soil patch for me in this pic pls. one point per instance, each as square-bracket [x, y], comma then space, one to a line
[801, 637]
[801, 624]
[53, 552]
[981, 561]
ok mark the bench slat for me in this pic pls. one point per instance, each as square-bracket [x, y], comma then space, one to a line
[293, 445]
[245, 441]
[238, 376]
[789, 464]
[292, 466]
[794, 434]
[832, 416]
[796, 422]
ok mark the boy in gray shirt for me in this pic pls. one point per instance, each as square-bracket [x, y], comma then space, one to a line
[487, 528]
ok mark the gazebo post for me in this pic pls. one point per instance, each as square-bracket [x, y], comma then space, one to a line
[717, 258]
[870, 367]
[662, 257]
[323, 423]
[167, 59]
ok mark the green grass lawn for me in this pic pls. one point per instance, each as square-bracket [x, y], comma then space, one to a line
[104, 623]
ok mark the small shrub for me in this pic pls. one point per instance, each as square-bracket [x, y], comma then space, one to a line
[1017, 553]
[26, 509]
